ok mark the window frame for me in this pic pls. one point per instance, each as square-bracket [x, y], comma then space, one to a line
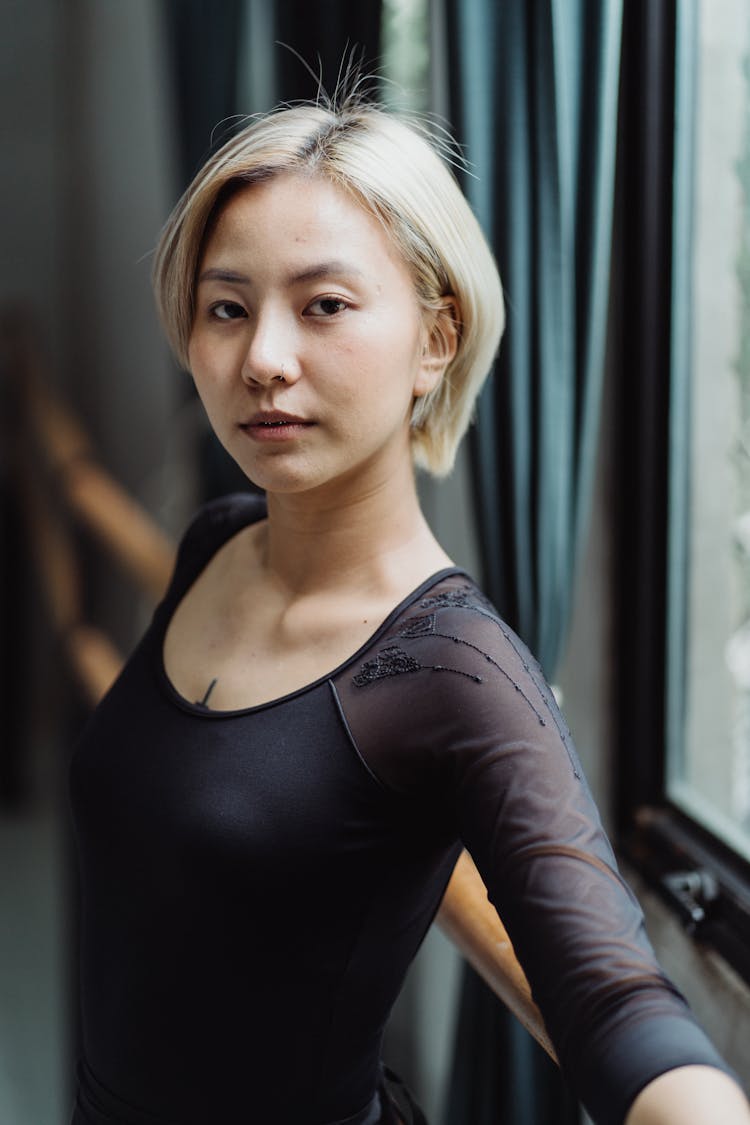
[703, 880]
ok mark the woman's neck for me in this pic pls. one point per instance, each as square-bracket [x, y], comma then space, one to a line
[373, 539]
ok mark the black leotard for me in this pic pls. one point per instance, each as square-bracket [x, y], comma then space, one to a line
[256, 882]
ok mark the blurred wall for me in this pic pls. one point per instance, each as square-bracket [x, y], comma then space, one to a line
[119, 187]
[32, 117]
[32, 953]
[85, 123]
[88, 182]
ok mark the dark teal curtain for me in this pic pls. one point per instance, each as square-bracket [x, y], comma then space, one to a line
[202, 39]
[327, 34]
[208, 47]
[533, 99]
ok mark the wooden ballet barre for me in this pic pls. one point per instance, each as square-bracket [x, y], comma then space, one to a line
[101, 505]
[131, 536]
[90, 654]
[93, 497]
[471, 922]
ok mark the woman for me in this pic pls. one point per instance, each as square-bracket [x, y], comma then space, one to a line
[271, 799]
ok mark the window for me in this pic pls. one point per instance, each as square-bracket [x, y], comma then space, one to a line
[683, 412]
[708, 658]
[405, 66]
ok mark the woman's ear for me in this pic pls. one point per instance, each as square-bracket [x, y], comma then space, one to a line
[440, 341]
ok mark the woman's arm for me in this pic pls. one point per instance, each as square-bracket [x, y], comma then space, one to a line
[453, 714]
[690, 1095]
[687, 1095]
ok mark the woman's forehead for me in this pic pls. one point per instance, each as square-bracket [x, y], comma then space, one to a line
[300, 216]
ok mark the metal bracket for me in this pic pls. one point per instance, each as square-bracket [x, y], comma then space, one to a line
[692, 893]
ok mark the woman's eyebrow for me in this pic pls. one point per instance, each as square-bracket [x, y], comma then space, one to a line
[224, 275]
[322, 270]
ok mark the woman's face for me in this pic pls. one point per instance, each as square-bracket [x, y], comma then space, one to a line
[298, 280]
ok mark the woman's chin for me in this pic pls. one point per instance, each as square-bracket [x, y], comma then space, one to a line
[283, 480]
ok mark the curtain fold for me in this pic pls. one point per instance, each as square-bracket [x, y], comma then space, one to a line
[533, 100]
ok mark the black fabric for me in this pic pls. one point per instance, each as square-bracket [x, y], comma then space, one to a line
[392, 1104]
[403, 1109]
[256, 882]
[96, 1105]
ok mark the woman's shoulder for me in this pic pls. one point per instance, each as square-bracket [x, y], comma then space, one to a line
[448, 626]
[445, 683]
[219, 518]
[234, 510]
[211, 526]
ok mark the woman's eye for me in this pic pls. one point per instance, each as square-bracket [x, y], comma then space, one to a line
[227, 310]
[326, 306]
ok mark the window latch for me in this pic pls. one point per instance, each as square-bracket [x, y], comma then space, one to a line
[692, 894]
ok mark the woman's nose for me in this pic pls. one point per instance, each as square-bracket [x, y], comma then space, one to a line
[270, 356]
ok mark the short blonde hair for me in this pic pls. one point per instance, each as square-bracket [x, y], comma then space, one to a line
[396, 173]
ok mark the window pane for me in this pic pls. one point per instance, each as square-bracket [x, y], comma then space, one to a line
[406, 56]
[708, 768]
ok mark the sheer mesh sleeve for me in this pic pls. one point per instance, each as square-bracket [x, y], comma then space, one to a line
[451, 711]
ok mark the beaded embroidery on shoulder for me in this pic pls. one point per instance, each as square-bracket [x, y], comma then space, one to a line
[401, 652]
[465, 596]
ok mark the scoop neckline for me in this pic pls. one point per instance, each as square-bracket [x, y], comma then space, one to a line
[199, 710]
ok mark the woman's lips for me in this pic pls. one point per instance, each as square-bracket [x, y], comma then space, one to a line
[273, 425]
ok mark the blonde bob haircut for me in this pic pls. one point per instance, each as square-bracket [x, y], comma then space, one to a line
[397, 174]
